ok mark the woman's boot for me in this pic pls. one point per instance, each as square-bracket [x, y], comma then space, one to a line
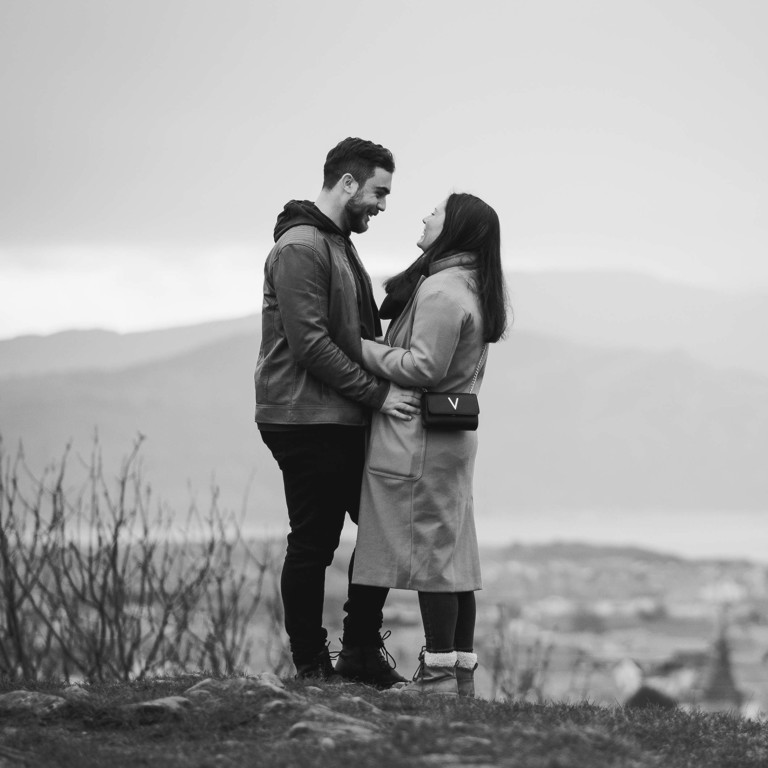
[436, 675]
[465, 673]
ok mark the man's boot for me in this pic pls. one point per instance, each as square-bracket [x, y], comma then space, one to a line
[436, 675]
[369, 664]
[318, 667]
[465, 673]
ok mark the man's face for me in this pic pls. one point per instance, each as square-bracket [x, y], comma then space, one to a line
[369, 199]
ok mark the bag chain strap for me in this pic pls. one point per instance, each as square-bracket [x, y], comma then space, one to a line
[477, 370]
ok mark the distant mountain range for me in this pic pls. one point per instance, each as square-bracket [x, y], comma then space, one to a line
[564, 425]
[100, 350]
[611, 309]
[620, 310]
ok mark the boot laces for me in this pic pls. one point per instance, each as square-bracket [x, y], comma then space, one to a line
[383, 658]
[418, 673]
[386, 657]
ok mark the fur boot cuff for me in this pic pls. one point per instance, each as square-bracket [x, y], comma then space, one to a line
[440, 659]
[466, 660]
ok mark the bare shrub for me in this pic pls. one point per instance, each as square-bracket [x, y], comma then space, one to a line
[234, 591]
[519, 667]
[100, 584]
[277, 648]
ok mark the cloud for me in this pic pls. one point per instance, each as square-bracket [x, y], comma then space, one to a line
[127, 289]
[625, 135]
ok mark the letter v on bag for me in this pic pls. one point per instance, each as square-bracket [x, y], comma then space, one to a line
[454, 404]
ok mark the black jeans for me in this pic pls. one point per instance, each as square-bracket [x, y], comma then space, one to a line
[449, 620]
[322, 470]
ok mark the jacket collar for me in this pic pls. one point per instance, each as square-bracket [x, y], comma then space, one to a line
[454, 260]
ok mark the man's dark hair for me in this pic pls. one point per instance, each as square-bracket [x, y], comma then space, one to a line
[358, 157]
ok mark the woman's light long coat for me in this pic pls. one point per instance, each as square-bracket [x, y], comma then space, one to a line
[416, 527]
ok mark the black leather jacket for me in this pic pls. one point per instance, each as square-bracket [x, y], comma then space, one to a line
[309, 367]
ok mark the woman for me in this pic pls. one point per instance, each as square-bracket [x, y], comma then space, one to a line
[416, 527]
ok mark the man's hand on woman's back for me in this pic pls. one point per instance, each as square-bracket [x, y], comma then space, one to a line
[401, 403]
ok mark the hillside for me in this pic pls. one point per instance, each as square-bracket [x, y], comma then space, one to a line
[589, 427]
[192, 722]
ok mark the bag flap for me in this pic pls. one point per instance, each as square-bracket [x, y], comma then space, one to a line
[451, 403]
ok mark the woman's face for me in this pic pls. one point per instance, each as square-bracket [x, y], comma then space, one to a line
[433, 226]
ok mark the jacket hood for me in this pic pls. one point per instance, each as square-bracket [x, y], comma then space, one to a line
[299, 212]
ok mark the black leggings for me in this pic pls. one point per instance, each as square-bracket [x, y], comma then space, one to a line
[449, 620]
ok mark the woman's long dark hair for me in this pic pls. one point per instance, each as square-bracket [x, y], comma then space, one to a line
[470, 226]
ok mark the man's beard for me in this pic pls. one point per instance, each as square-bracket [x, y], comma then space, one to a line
[357, 216]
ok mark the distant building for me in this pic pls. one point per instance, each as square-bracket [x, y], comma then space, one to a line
[700, 679]
[717, 690]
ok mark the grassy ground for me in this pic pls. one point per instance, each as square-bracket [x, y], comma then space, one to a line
[233, 732]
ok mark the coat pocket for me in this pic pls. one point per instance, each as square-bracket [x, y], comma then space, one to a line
[396, 448]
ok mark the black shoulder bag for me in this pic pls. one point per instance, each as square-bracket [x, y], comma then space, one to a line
[452, 410]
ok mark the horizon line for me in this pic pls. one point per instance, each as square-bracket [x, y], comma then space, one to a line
[729, 290]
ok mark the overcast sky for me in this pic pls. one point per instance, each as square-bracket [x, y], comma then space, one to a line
[147, 146]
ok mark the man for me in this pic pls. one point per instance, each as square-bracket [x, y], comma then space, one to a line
[313, 401]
